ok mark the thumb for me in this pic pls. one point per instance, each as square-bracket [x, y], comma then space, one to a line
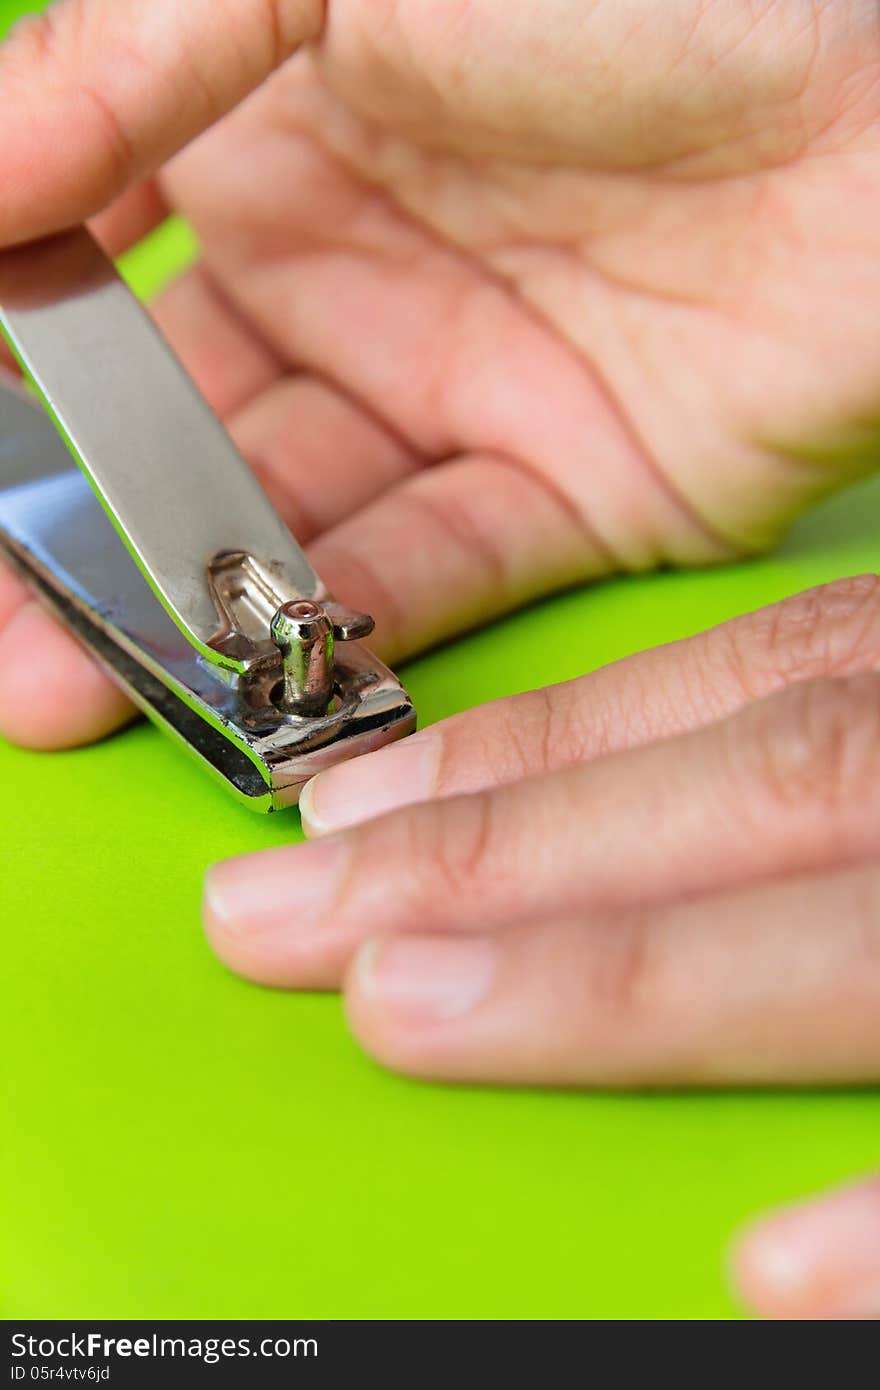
[97, 93]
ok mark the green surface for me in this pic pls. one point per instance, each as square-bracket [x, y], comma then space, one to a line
[178, 1143]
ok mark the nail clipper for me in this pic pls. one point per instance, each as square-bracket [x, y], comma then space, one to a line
[160, 551]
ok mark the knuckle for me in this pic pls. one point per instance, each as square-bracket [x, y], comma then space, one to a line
[449, 856]
[818, 742]
[53, 48]
[288, 20]
[118, 151]
[825, 631]
[513, 738]
[623, 977]
[534, 734]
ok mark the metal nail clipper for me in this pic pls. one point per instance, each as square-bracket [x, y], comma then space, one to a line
[173, 568]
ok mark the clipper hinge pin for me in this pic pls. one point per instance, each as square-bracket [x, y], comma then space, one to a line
[305, 633]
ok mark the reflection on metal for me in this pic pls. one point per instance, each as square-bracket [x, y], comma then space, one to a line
[173, 567]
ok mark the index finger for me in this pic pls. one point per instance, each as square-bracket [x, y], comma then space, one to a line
[98, 93]
[829, 631]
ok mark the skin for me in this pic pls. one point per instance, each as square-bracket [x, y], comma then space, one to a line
[552, 291]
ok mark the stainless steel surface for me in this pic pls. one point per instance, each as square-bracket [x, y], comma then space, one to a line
[306, 634]
[54, 529]
[170, 477]
[303, 634]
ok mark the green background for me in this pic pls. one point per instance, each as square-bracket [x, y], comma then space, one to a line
[178, 1143]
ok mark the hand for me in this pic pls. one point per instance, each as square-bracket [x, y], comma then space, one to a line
[664, 873]
[550, 290]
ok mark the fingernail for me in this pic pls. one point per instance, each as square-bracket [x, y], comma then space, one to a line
[426, 979]
[821, 1258]
[369, 786]
[289, 888]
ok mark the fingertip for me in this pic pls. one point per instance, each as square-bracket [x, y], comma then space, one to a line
[818, 1259]
[375, 1033]
[767, 1274]
[235, 940]
[411, 1000]
[52, 695]
[269, 916]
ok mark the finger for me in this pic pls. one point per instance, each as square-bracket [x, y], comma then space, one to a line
[453, 546]
[319, 456]
[817, 1260]
[98, 93]
[778, 982]
[61, 700]
[139, 211]
[784, 786]
[833, 630]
